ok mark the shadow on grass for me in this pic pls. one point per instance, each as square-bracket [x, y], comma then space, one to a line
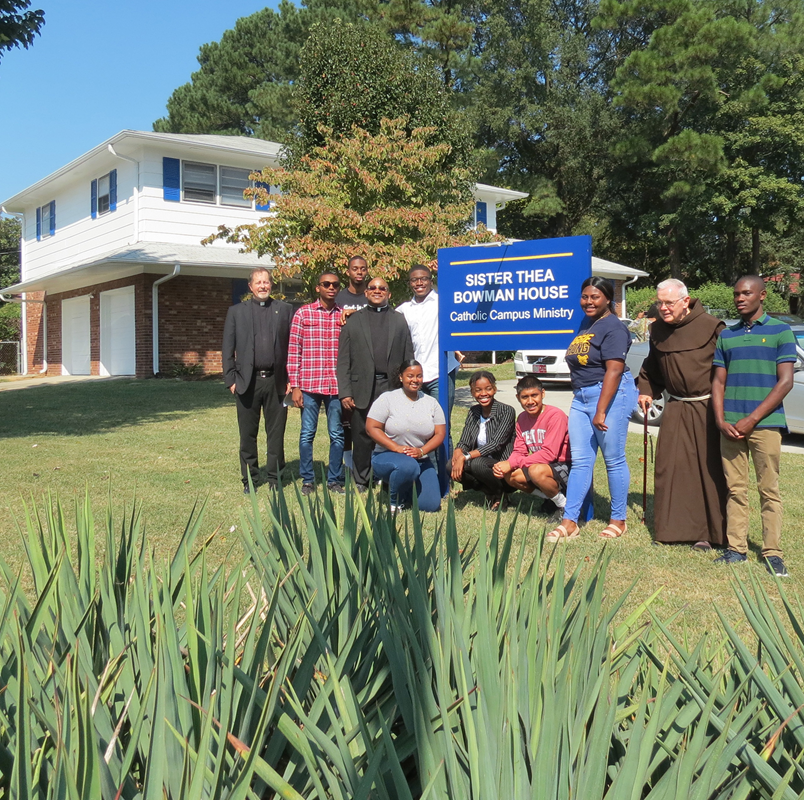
[81, 409]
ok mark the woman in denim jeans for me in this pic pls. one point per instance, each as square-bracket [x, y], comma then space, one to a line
[407, 426]
[604, 398]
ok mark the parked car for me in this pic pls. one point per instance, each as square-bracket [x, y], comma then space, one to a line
[793, 403]
[547, 365]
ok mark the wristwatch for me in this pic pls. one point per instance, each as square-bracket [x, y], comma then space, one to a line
[467, 456]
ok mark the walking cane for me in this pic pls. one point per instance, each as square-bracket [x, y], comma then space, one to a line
[645, 467]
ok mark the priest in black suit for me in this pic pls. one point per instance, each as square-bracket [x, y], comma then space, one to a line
[372, 345]
[255, 357]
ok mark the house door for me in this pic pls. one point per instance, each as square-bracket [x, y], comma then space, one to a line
[75, 359]
[118, 354]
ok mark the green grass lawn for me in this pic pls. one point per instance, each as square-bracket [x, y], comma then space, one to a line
[170, 444]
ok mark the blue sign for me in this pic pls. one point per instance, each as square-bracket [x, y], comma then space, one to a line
[516, 296]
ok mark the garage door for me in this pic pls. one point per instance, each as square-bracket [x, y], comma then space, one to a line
[75, 336]
[117, 342]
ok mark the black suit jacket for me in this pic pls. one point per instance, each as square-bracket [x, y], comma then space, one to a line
[238, 345]
[356, 355]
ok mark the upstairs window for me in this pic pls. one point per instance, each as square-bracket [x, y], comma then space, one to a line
[46, 220]
[207, 183]
[233, 183]
[199, 182]
[103, 194]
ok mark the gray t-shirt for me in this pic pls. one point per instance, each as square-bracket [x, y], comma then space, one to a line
[410, 423]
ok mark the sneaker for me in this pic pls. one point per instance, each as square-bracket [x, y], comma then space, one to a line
[395, 508]
[338, 488]
[776, 566]
[308, 489]
[731, 557]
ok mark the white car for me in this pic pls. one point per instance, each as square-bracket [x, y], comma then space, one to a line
[547, 365]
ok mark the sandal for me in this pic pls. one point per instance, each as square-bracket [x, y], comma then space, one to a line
[612, 531]
[561, 534]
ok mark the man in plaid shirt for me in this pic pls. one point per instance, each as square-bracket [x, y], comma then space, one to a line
[312, 367]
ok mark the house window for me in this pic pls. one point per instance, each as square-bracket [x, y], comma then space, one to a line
[46, 220]
[207, 183]
[233, 183]
[200, 182]
[103, 194]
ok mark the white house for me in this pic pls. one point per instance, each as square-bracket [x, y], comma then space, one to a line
[114, 279]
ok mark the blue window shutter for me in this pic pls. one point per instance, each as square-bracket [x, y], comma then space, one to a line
[93, 199]
[171, 179]
[267, 188]
[481, 214]
[113, 190]
[52, 217]
[38, 224]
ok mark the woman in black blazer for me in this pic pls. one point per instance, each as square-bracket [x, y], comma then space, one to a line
[488, 437]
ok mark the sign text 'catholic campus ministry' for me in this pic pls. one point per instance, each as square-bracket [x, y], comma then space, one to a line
[517, 294]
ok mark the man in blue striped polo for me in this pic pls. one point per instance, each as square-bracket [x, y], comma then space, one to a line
[754, 362]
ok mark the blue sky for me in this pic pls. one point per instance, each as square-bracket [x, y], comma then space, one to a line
[98, 67]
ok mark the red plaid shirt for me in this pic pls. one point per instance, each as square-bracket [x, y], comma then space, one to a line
[313, 349]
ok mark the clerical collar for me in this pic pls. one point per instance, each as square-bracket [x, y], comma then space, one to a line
[378, 309]
[261, 302]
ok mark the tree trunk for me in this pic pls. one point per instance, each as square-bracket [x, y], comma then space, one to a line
[675, 255]
[755, 250]
[732, 257]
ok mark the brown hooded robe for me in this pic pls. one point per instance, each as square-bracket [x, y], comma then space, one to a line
[690, 490]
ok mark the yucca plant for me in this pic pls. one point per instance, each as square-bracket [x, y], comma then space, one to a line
[356, 654]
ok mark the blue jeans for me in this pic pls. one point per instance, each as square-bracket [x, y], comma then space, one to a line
[431, 388]
[402, 472]
[309, 425]
[585, 439]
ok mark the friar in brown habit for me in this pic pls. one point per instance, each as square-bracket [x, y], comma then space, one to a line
[689, 487]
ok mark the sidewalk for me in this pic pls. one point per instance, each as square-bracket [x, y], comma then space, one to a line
[32, 381]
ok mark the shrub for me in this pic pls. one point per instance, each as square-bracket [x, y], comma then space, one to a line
[346, 657]
[10, 322]
[716, 296]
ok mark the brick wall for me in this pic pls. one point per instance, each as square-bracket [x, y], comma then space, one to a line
[618, 295]
[33, 332]
[192, 311]
[191, 315]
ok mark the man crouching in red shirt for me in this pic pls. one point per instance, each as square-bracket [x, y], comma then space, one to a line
[540, 460]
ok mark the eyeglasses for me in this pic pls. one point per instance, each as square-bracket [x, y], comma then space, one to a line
[667, 303]
[414, 281]
[330, 284]
[377, 289]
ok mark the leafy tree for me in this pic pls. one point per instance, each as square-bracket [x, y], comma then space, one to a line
[18, 26]
[10, 233]
[244, 82]
[392, 196]
[541, 111]
[355, 76]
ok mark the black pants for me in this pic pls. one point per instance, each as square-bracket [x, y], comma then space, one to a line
[261, 397]
[478, 475]
[362, 443]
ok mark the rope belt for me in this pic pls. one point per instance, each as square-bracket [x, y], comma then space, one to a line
[690, 399]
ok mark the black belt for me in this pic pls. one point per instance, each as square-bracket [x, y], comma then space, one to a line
[380, 376]
[265, 373]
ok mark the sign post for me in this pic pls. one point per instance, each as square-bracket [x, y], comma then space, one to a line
[515, 296]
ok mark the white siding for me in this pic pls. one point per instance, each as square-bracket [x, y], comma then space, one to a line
[187, 222]
[78, 237]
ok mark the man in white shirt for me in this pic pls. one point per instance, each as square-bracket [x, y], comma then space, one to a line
[421, 314]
